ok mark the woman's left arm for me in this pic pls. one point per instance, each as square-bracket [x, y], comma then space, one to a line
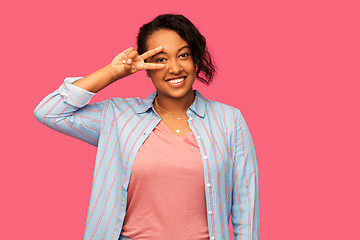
[245, 191]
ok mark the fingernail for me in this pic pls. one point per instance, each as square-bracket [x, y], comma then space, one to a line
[129, 61]
[124, 61]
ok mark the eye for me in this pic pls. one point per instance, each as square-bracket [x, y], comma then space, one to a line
[184, 55]
[160, 60]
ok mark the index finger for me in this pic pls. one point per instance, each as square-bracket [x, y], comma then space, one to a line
[151, 52]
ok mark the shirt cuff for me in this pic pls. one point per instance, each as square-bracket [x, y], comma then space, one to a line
[74, 95]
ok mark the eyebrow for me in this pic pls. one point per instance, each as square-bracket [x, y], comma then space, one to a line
[186, 46]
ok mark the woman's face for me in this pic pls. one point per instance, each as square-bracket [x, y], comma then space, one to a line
[178, 76]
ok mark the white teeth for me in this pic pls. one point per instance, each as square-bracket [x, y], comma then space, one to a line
[176, 80]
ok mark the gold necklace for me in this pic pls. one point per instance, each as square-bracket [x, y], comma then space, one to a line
[165, 121]
[178, 118]
[164, 112]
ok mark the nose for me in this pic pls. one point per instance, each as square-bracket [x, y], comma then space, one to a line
[175, 67]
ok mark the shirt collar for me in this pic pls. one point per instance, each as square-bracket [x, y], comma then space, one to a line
[198, 106]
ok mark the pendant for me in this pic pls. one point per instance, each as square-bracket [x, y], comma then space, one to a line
[177, 131]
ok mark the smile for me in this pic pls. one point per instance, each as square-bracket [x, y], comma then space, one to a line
[178, 80]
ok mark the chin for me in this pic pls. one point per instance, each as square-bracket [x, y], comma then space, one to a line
[177, 93]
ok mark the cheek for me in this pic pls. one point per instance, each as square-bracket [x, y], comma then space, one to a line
[157, 75]
[190, 67]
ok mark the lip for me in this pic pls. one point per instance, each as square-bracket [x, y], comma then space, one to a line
[176, 85]
[174, 78]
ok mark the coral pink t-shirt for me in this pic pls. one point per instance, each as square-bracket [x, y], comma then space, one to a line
[166, 194]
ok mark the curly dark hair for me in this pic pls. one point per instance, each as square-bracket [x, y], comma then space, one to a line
[188, 32]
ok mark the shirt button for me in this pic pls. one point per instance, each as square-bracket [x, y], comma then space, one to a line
[208, 185]
[210, 212]
[212, 238]
[189, 112]
[198, 136]
[205, 157]
[190, 118]
[144, 133]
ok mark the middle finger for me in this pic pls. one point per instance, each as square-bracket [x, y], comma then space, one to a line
[151, 52]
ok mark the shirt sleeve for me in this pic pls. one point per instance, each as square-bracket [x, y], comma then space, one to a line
[245, 191]
[67, 110]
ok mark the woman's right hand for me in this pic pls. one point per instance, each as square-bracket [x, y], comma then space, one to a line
[129, 61]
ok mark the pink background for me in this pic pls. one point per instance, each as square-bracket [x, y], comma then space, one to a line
[291, 67]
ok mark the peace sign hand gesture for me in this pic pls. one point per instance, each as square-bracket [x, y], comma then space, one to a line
[129, 62]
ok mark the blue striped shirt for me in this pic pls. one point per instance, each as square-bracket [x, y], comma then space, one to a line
[118, 127]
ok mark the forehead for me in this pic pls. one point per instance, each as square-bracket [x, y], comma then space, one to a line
[169, 39]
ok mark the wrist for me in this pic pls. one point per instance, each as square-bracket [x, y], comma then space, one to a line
[115, 77]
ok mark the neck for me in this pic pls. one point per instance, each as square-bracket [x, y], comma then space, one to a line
[176, 105]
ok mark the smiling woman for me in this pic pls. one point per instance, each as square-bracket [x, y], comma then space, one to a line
[174, 82]
[172, 166]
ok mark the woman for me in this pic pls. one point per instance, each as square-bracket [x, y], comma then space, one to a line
[192, 161]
